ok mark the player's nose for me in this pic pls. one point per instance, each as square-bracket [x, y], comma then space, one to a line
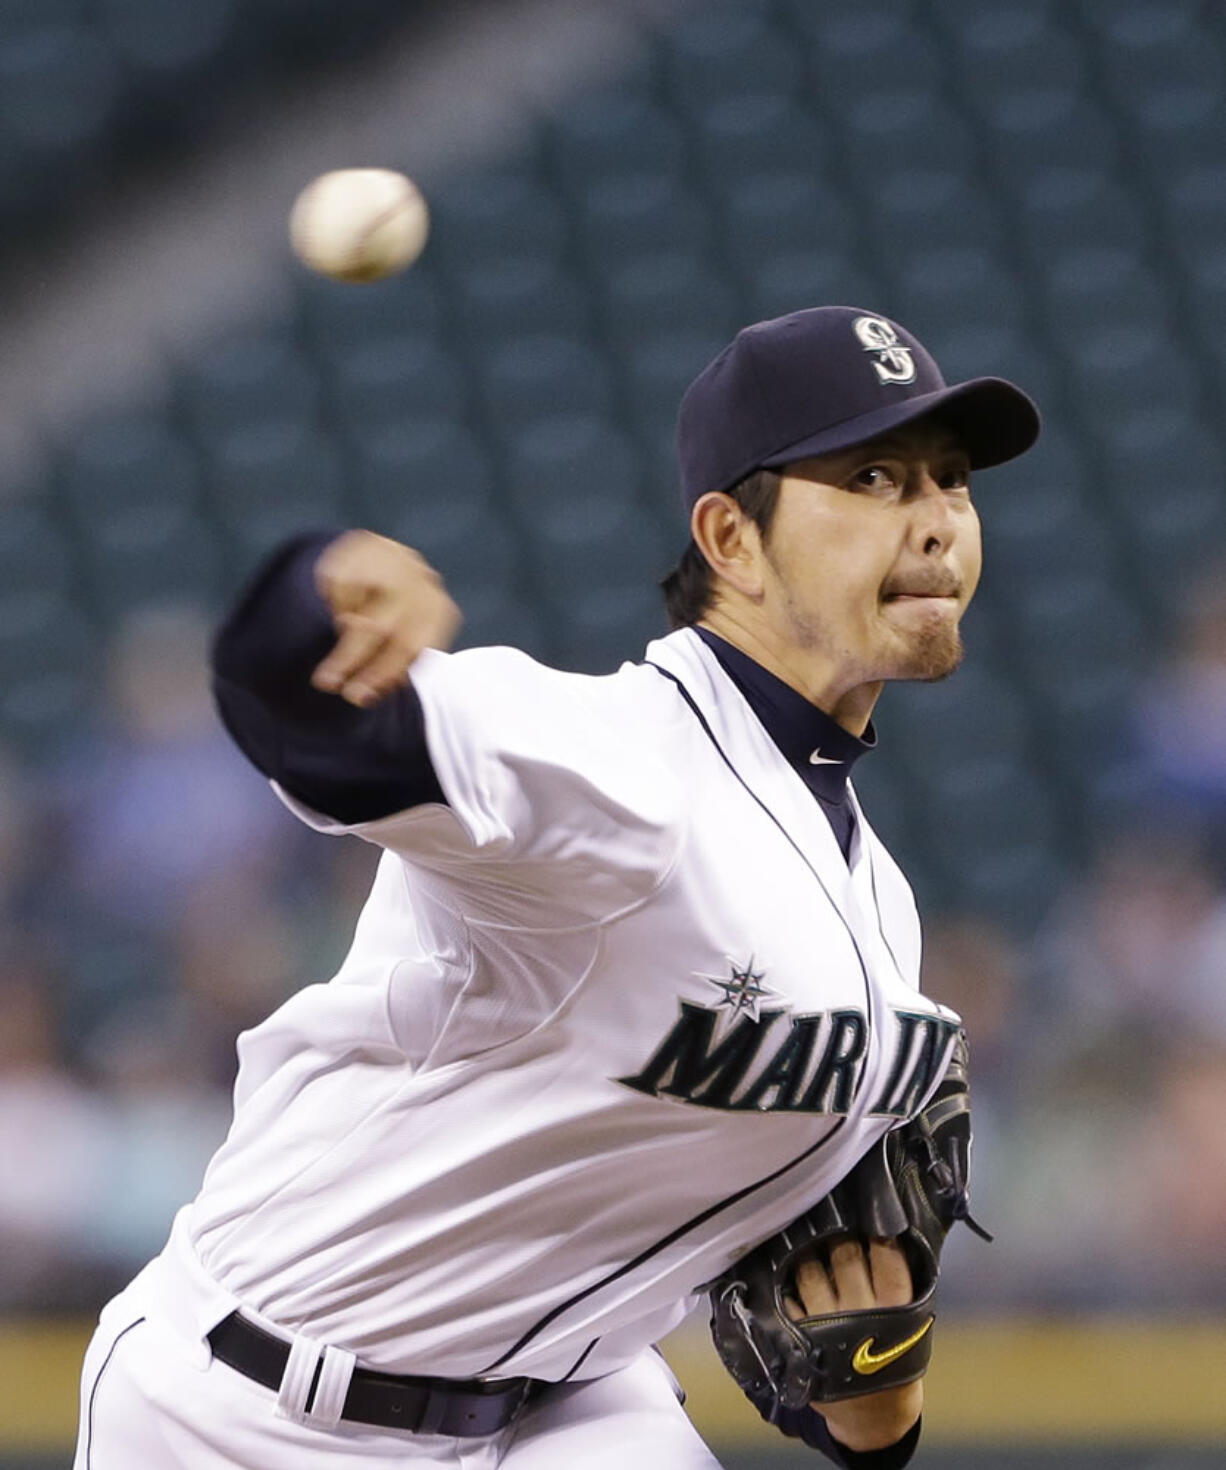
[934, 525]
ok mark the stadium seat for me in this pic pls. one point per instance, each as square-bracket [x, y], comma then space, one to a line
[794, 278]
[333, 315]
[167, 37]
[246, 379]
[270, 480]
[1123, 366]
[860, 50]
[1064, 206]
[657, 371]
[783, 210]
[929, 208]
[626, 213]
[430, 476]
[1086, 287]
[996, 45]
[613, 131]
[47, 684]
[36, 557]
[539, 375]
[955, 281]
[918, 130]
[166, 553]
[59, 88]
[651, 294]
[378, 380]
[1034, 126]
[720, 50]
[517, 294]
[483, 215]
[739, 138]
[1164, 469]
[573, 482]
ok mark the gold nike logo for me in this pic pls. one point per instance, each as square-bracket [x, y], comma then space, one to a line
[866, 1361]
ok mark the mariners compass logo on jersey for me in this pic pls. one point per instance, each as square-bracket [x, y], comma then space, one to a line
[747, 1053]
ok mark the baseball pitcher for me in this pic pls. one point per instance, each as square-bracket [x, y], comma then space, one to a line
[631, 1019]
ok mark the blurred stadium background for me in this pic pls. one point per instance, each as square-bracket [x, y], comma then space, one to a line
[1036, 189]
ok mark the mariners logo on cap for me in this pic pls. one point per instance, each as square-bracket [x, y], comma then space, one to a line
[892, 362]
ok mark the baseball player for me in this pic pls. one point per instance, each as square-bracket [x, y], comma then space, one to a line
[636, 983]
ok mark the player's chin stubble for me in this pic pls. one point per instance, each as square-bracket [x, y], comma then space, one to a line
[937, 653]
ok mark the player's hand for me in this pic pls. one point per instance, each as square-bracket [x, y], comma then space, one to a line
[860, 1278]
[388, 604]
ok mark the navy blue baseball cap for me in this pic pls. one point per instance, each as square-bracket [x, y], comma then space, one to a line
[829, 378]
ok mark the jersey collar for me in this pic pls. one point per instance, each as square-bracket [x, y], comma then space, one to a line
[817, 747]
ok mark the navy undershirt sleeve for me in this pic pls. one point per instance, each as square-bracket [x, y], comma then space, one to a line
[808, 1425]
[354, 765]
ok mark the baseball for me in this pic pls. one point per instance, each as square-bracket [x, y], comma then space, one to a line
[359, 224]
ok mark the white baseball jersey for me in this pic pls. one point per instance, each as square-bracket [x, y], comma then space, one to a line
[611, 1017]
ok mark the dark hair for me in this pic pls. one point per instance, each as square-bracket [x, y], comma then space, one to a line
[689, 588]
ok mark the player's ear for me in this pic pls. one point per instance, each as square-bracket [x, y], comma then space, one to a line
[730, 540]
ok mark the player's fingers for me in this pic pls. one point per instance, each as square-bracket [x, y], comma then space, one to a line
[359, 641]
[386, 669]
[850, 1274]
[813, 1289]
[891, 1274]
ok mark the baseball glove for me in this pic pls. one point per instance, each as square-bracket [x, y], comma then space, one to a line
[910, 1188]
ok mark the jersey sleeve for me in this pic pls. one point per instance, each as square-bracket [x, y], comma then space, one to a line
[554, 796]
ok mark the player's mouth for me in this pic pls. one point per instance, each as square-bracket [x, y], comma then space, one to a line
[936, 589]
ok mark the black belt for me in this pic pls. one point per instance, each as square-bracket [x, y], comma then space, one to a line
[465, 1408]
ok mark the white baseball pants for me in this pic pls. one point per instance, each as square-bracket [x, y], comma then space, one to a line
[153, 1396]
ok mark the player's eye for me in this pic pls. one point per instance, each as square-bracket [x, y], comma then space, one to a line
[956, 477]
[874, 477]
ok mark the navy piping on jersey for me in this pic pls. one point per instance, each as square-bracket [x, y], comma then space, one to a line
[579, 1362]
[660, 1245]
[795, 846]
[89, 1414]
[748, 1189]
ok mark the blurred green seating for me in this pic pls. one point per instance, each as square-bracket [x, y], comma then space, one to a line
[517, 294]
[89, 89]
[997, 45]
[269, 479]
[1029, 126]
[1122, 366]
[376, 380]
[917, 205]
[639, 212]
[1064, 206]
[488, 214]
[741, 137]
[812, 276]
[249, 378]
[1086, 286]
[792, 209]
[59, 89]
[658, 293]
[535, 376]
[657, 370]
[873, 48]
[951, 281]
[918, 129]
[167, 38]
[47, 649]
[719, 50]
[331, 315]
[612, 131]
